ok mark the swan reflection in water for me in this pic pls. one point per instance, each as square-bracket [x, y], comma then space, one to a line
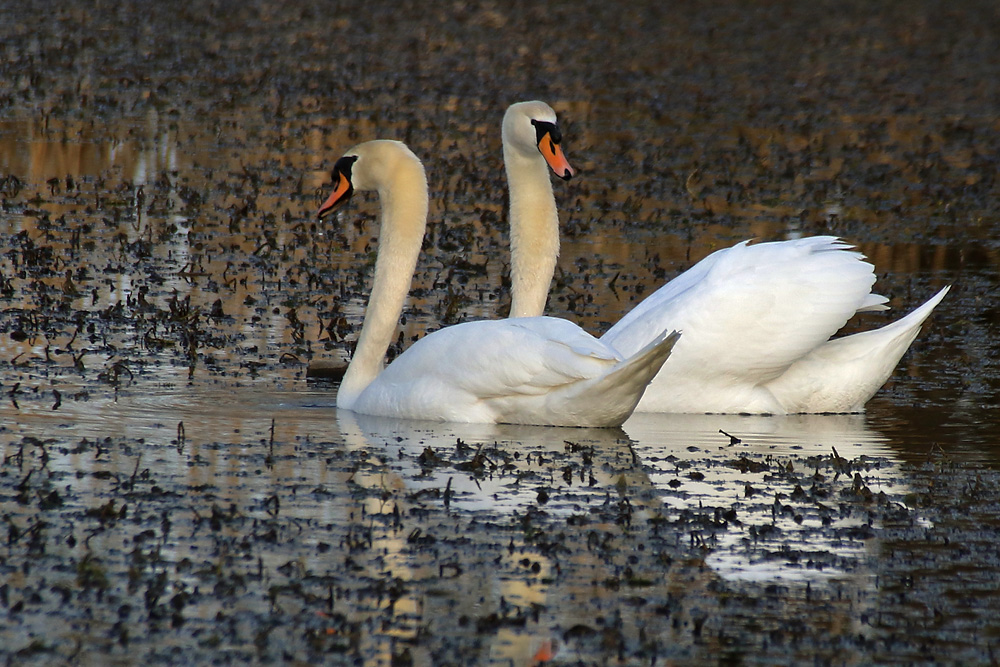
[736, 502]
[692, 462]
[740, 463]
[677, 479]
[669, 466]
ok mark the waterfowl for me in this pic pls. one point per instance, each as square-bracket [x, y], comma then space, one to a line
[757, 319]
[535, 370]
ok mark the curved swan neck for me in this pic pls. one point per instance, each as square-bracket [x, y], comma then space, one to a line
[534, 231]
[402, 191]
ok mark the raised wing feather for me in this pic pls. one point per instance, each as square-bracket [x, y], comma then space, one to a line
[750, 311]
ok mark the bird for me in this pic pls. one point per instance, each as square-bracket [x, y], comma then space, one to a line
[536, 370]
[757, 318]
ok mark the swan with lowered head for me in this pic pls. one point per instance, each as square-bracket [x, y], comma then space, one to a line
[757, 319]
[537, 370]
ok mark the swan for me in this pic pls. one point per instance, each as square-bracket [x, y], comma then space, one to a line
[537, 370]
[757, 318]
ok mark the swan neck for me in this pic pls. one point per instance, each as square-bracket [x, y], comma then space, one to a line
[534, 232]
[404, 218]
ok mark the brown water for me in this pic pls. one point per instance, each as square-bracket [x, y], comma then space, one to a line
[217, 241]
[177, 348]
[174, 489]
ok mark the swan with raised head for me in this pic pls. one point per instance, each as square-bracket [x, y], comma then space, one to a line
[537, 370]
[757, 318]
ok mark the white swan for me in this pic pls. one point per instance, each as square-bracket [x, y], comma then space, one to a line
[757, 319]
[538, 370]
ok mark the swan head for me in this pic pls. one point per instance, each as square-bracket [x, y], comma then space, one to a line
[530, 128]
[377, 165]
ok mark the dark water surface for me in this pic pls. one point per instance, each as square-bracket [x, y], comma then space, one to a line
[174, 489]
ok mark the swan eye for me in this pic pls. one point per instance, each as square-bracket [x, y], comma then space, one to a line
[344, 165]
[544, 128]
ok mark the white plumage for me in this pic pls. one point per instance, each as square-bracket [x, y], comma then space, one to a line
[757, 319]
[537, 370]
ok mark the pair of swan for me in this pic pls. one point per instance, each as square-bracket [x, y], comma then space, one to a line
[757, 319]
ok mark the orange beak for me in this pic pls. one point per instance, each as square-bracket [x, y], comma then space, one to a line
[342, 191]
[554, 156]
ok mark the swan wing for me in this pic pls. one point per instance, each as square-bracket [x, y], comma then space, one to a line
[842, 374]
[750, 311]
[464, 372]
[529, 355]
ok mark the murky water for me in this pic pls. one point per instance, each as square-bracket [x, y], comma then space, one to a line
[190, 311]
[261, 269]
[174, 489]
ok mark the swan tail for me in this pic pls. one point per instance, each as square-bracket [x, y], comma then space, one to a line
[610, 399]
[873, 303]
[844, 373]
[917, 317]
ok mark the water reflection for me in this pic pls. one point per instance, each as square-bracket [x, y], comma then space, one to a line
[580, 472]
[689, 436]
[522, 447]
[648, 467]
[292, 455]
[681, 450]
[495, 474]
[661, 452]
[685, 459]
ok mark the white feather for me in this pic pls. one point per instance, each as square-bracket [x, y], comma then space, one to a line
[538, 370]
[757, 319]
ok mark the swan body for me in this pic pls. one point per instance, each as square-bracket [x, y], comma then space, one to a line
[757, 318]
[763, 316]
[536, 370]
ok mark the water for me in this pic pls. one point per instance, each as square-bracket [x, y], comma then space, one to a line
[176, 489]
[89, 219]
